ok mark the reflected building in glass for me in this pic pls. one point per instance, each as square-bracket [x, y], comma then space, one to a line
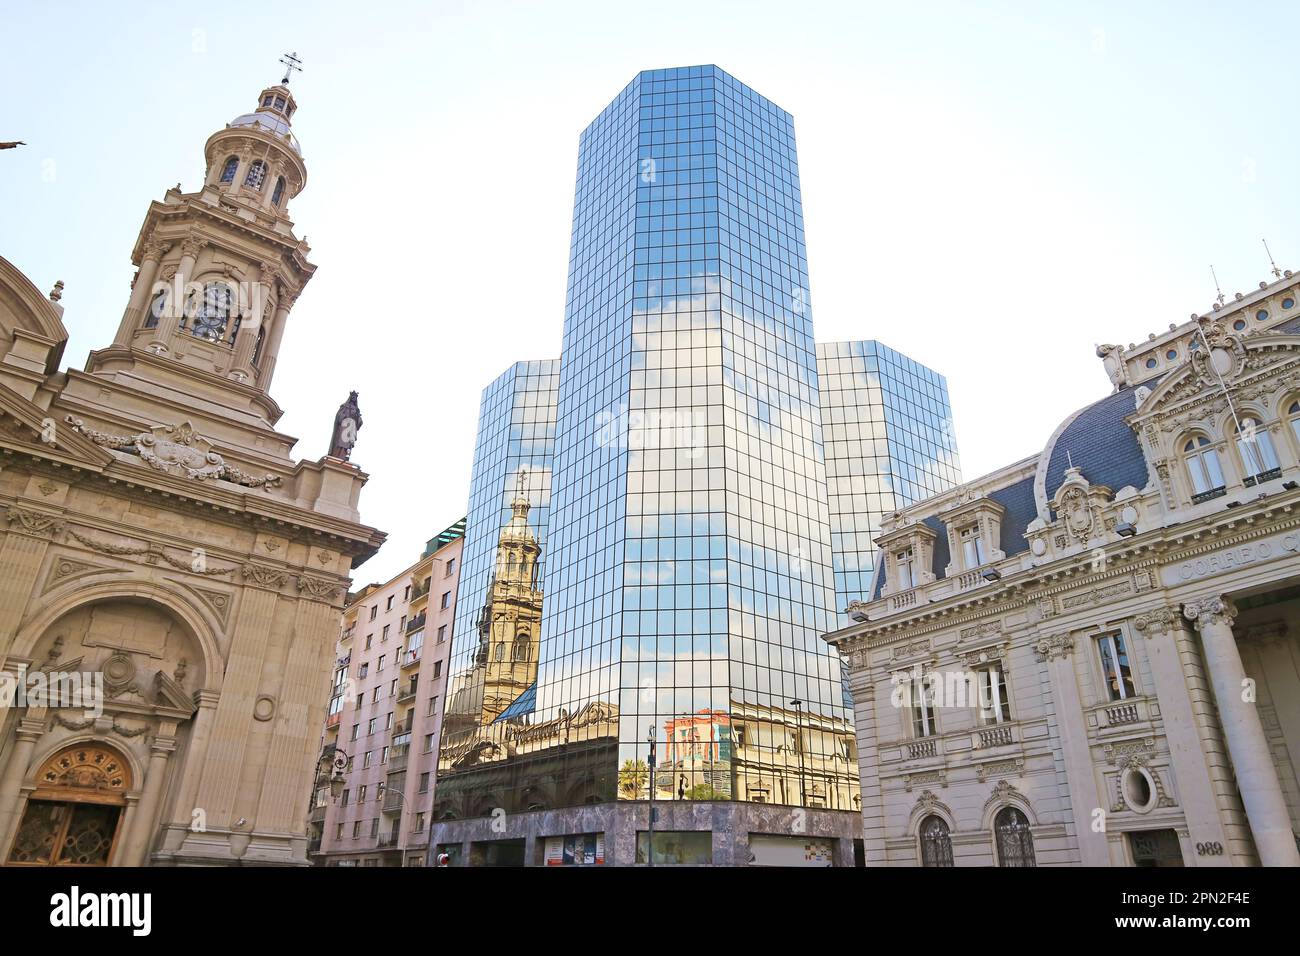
[888, 439]
[685, 550]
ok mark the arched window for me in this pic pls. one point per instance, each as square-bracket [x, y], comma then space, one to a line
[501, 650]
[279, 192]
[157, 306]
[936, 844]
[1015, 842]
[1203, 467]
[1293, 416]
[1255, 446]
[257, 348]
[256, 175]
[510, 565]
[228, 171]
[521, 647]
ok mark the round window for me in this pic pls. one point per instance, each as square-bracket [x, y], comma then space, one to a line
[1151, 363]
[1288, 302]
[1171, 354]
[1261, 315]
[1137, 789]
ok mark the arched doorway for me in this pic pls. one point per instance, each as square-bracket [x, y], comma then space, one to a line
[74, 817]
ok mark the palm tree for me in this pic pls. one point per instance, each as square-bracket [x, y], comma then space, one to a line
[632, 778]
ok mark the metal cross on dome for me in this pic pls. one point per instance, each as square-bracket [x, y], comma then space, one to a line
[291, 63]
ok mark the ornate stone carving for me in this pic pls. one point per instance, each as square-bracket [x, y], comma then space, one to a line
[265, 576]
[1004, 792]
[928, 776]
[997, 768]
[927, 803]
[176, 450]
[318, 587]
[33, 522]
[1157, 621]
[1129, 748]
[1216, 610]
[1050, 648]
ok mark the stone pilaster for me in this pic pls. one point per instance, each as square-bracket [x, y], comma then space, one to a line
[144, 825]
[1057, 651]
[21, 556]
[858, 662]
[11, 779]
[1261, 793]
[1164, 630]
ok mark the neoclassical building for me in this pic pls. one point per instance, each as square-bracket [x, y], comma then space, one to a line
[1091, 656]
[162, 550]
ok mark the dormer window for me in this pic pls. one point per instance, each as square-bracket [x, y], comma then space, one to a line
[1255, 446]
[905, 565]
[973, 550]
[1204, 469]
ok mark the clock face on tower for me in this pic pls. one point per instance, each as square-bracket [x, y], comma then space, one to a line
[212, 316]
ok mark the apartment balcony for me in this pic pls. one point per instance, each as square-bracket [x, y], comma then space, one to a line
[415, 623]
[318, 814]
[420, 591]
[313, 845]
[332, 721]
[407, 693]
[412, 657]
[348, 632]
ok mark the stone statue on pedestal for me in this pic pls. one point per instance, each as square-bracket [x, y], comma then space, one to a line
[346, 425]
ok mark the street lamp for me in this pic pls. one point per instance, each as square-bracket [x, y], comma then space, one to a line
[650, 835]
[338, 762]
[798, 743]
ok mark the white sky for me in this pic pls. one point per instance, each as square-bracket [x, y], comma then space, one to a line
[990, 188]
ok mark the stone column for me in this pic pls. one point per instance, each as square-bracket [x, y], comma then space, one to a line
[1080, 776]
[169, 325]
[145, 823]
[261, 284]
[11, 782]
[271, 347]
[141, 292]
[1197, 791]
[1256, 774]
[21, 555]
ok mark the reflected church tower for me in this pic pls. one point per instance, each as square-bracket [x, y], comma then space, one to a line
[510, 623]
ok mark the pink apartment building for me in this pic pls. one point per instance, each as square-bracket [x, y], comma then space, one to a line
[380, 743]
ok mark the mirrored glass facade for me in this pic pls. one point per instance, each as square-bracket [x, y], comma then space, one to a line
[498, 602]
[887, 431]
[681, 521]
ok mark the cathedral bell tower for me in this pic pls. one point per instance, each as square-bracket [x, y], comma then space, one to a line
[219, 270]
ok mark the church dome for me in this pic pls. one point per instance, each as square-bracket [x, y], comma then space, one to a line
[270, 122]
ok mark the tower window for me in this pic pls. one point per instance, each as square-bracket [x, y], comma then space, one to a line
[256, 175]
[267, 99]
[279, 103]
[228, 171]
[279, 192]
[257, 349]
[211, 318]
[156, 309]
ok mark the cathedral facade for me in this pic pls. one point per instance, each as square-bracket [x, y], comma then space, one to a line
[171, 578]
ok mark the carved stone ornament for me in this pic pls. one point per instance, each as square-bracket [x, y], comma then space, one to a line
[1210, 611]
[317, 587]
[1157, 621]
[176, 450]
[1058, 645]
[1004, 792]
[263, 575]
[33, 522]
[153, 553]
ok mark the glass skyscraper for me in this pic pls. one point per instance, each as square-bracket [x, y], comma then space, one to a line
[887, 431]
[686, 554]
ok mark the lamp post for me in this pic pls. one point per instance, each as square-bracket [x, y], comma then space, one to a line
[650, 834]
[798, 729]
